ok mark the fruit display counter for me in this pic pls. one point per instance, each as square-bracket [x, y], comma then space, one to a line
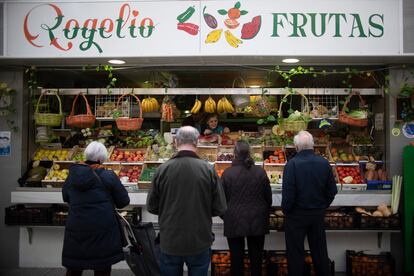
[135, 155]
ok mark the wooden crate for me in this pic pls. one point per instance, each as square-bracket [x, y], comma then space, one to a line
[133, 156]
[208, 153]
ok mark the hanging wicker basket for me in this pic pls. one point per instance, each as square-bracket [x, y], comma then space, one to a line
[293, 125]
[346, 119]
[127, 123]
[240, 100]
[48, 119]
[81, 120]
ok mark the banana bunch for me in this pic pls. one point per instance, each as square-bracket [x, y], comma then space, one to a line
[150, 105]
[214, 36]
[224, 106]
[232, 40]
[210, 105]
[196, 107]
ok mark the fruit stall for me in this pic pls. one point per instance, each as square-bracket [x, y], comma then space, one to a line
[185, 60]
[361, 208]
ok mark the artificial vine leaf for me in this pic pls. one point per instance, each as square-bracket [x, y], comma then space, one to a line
[237, 5]
[271, 118]
[290, 111]
[260, 121]
[222, 12]
[243, 12]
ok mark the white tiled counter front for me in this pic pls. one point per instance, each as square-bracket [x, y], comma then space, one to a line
[47, 241]
[54, 196]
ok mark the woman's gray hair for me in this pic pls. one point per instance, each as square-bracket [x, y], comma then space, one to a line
[96, 152]
[187, 135]
[303, 140]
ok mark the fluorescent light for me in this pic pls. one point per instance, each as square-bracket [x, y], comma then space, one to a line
[290, 60]
[187, 111]
[116, 61]
[254, 86]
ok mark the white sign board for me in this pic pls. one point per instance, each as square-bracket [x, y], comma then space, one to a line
[202, 28]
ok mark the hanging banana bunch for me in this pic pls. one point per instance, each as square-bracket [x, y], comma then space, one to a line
[224, 106]
[196, 107]
[210, 105]
[150, 104]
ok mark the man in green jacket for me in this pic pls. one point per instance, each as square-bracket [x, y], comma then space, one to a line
[186, 194]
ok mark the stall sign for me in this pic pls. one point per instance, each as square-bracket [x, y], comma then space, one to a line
[202, 28]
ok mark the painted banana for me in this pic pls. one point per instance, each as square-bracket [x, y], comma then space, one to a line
[232, 40]
[214, 36]
[196, 107]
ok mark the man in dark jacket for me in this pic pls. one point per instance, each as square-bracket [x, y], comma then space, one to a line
[309, 188]
[185, 195]
[92, 234]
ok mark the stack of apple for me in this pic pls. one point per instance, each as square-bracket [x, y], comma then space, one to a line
[132, 172]
[349, 175]
[127, 156]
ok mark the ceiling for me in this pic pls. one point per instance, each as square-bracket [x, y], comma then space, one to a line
[202, 77]
[203, 71]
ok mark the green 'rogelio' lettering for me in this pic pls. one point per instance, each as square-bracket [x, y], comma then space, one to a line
[277, 22]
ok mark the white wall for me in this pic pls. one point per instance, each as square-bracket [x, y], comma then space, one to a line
[11, 168]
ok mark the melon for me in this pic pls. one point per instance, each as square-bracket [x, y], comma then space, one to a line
[251, 29]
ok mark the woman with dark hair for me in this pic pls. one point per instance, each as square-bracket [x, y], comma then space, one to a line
[249, 198]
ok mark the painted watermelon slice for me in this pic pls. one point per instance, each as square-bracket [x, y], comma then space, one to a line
[251, 29]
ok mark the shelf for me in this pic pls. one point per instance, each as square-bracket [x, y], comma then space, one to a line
[351, 231]
[211, 91]
[347, 164]
[274, 164]
[155, 162]
[318, 119]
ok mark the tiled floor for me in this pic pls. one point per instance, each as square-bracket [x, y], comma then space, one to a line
[55, 272]
[61, 272]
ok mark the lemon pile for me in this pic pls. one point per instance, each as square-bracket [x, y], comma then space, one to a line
[47, 154]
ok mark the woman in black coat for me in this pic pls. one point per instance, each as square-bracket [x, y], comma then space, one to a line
[92, 234]
[249, 198]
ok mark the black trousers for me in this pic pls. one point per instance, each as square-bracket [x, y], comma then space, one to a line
[297, 227]
[255, 246]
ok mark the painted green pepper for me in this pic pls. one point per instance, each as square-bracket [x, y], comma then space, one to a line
[186, 15]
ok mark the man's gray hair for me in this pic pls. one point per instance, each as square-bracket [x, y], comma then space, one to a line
[303, 140]
[187, 135]
[96, 152]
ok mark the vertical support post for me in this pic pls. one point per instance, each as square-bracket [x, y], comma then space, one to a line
[408, 190]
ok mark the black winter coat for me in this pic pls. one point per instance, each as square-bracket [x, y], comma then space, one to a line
[309, 185]
[92, 235]
[249, 198]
